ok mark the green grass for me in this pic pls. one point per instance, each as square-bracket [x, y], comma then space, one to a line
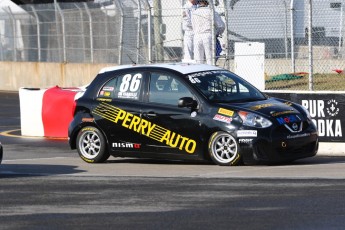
[326, 82]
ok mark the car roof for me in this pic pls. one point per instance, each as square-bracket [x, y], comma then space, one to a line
[184, 68]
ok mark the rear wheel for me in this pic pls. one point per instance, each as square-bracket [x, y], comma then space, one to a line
[91, 145]
[223, 149]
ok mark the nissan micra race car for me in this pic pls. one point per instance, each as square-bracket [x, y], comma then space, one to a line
[187, 112]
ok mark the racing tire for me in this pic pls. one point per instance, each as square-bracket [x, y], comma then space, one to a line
[91, 145]
[224, 149]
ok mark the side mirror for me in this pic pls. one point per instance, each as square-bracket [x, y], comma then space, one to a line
[187, 102]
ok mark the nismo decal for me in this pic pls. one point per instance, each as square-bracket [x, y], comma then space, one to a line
[145, 127]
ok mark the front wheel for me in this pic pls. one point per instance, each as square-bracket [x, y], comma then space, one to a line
[91, 145]
[223, 149]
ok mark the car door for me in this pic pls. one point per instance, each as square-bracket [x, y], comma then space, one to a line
[119, 104]
[173, 130]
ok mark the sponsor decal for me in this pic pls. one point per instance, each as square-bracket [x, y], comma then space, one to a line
[247, 133]
[288, 119]
[323, 114]
[87, 119]
[108, 88]
[107, 94]
[298, 136]
[226, 112]
[127, 145]
[194, 79]
[276, 114]
[145, 127]
[104, 99]
[332, 108]
[127, 95]
[246, 141]
[221, 118]
[258, 107]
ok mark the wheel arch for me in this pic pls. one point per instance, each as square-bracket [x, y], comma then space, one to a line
[74, 134]
[237, 160]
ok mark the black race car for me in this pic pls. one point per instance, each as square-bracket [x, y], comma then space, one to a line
[187, 111]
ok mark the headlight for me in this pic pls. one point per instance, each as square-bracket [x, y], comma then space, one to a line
[254, 120]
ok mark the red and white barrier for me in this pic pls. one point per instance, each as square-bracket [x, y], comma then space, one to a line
[47, 112]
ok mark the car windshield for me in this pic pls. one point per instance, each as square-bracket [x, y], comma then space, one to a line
[224, 86]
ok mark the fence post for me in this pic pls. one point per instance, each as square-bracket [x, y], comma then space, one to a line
[38, 33]
[157, 6]
[310, 26]
[14, 34]
[139, 27]
[121, 30]
[149, 33]
[91, 31]
[213, 32]
[226, 34]
[340, 31]
[293, 62]
[82, 29]
[63, 33]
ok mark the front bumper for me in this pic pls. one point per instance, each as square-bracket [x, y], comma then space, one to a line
[283, 150]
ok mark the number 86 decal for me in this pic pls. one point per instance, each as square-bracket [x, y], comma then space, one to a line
[131, 83]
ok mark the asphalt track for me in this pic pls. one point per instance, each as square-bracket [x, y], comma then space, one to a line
[45, 185]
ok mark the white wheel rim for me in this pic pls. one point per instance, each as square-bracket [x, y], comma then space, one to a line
[90, 144]
[224, 148]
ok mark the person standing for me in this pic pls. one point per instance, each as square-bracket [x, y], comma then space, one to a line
[188, 48]
[203, 34]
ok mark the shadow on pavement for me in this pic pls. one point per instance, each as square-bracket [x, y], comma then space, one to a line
[29, 170]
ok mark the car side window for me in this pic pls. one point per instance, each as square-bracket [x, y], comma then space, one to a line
[167, 89]
[126, 86]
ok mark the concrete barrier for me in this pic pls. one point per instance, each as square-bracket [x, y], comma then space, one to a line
[47, 112]
[15, 75]
[31, 113]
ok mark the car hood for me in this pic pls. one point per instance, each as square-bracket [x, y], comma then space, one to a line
[272, 107]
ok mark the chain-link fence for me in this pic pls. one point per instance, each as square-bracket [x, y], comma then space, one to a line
[146, 31]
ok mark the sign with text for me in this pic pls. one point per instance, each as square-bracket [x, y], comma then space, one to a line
[326, 110]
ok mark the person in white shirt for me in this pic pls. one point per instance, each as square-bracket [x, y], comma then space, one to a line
[188, 48]
[202, 26]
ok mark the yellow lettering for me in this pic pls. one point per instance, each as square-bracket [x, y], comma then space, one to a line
[120, 115]
[143, 124]
[182, 142]
[134, 123]
[190, 146]
[151, 127]
[127, 118]
[166, 137]
[174, 144]
[160, 134]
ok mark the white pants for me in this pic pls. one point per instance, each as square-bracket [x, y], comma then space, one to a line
[203, 47]
[188, 49]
